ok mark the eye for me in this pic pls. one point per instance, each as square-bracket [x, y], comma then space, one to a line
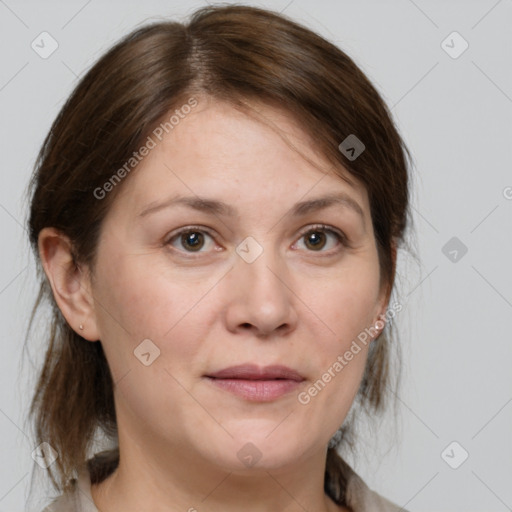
[192, 239]
[316, 237]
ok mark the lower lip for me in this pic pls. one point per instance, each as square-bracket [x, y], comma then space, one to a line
[256, 390]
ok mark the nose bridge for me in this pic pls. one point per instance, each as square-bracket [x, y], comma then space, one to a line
[262, 298]
[258, 264]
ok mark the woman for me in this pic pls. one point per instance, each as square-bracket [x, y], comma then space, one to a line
[217, 211]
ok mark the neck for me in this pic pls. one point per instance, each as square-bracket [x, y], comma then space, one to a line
[147, 480]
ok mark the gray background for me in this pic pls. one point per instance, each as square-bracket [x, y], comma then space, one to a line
[455, 115]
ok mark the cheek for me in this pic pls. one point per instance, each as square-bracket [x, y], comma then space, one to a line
[347, 303]
[139, 302]
[346, 306]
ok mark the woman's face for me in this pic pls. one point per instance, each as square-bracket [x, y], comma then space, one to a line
[246, 285]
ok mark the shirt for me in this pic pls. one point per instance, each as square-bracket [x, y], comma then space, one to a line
[359, 497]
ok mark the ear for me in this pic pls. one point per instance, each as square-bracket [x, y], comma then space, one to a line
[385, 291]
[70, 284]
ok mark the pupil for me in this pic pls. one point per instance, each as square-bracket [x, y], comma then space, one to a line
[314, 239]
[193, 240]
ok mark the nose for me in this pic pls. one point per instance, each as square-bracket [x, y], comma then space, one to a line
[260, 298]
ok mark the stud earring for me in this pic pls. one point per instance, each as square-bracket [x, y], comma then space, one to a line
[81, 327]
[379, 325]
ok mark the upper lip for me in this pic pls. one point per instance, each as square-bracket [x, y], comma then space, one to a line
[254, 372]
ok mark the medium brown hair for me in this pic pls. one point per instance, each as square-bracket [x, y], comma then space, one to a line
[227, 53]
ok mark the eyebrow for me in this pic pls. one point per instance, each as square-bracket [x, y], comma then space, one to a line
[216, 207]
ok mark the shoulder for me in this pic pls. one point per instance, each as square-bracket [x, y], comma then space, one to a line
[346, 487]
[61, 504]
[361, 498]
[77, 498]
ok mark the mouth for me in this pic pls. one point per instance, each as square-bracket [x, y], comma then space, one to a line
[257, 384]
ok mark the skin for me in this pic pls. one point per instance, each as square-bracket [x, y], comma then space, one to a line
[298, 304]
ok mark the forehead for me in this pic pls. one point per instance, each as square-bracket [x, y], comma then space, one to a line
[261, 153]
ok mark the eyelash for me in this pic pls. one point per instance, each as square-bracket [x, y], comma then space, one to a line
[341, 238]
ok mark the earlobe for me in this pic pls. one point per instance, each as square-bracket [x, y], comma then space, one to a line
[379, 324]
[70, 284]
